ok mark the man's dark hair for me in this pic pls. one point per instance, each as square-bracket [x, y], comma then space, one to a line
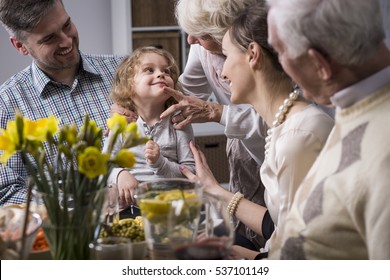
[19, 16]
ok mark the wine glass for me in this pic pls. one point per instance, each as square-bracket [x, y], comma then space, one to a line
[207, 236]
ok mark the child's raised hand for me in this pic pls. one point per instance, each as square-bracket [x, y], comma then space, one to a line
[152, 152]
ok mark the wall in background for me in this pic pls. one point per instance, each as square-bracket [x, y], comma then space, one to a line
[93, 21]
[385, 6]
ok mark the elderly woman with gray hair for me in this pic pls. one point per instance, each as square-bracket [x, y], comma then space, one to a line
[205, 25]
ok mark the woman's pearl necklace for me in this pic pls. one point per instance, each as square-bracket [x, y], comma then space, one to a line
[280, 117]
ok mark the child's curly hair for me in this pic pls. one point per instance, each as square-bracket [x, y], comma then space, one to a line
[123, 91]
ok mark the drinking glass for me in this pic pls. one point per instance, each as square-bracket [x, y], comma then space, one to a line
[155, 199]
[111, 248]
[112, 210]
[207, 237]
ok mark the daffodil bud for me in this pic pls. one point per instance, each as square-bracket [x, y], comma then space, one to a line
[71, 135]
[132, 128]
[125, 158]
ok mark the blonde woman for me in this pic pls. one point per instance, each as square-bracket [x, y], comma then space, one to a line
[297, 132]
[206, 25]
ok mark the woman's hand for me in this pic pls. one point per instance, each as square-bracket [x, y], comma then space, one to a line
[152, 152]
[203, 173]
[193, 109]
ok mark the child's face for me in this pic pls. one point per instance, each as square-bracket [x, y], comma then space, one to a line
[152, 76]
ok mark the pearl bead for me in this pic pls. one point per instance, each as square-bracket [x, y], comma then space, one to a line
[279, 117]
[287, 102]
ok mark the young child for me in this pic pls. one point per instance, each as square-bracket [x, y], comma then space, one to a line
[138, 86]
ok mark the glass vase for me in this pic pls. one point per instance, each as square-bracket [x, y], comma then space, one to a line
[70, 221]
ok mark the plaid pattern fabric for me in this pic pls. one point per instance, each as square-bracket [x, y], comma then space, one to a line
[36, 96]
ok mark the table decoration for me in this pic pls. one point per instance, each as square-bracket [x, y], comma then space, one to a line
[69, 173]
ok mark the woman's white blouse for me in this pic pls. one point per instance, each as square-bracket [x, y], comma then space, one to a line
[294, 146]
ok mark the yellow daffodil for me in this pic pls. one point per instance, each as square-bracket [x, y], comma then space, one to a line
[117, 122]
[7, 146]
[71, 136]
[11, 132]
[38, 130]
[125, 158]
[93, 127]
[68, 134]
[9, 141]
[132, 128]
[90, 133]
[132, 137]
[71, 164]
[92, 162]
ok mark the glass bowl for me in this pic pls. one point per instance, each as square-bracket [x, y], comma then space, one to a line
[11, 228]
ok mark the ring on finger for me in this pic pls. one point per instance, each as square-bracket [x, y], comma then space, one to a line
[181, 114]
